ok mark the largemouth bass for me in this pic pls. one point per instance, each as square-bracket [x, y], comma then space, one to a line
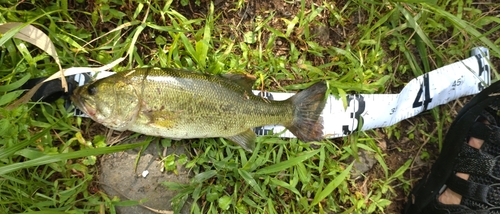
[179, 104]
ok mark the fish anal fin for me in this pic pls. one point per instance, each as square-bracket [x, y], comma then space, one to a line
[245, 139]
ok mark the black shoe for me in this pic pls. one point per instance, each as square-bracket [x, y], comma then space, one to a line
[481, 192]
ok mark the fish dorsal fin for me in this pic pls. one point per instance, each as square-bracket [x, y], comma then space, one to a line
[244, 80]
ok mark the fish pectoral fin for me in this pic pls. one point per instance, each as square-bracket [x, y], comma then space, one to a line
[245, 139]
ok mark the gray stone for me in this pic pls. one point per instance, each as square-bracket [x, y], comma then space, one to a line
[118, 178]
[366, 160]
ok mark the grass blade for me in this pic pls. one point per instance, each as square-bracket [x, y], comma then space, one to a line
[9, 97]
[332, 185]
[4, 153]
[412, 22]
[251, 181]
[15, 84]
[199, 178]
[286, 164]
[463, 25]
[65, 156]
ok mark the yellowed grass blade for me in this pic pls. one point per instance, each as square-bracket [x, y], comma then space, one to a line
[33, 35]
[38, 38]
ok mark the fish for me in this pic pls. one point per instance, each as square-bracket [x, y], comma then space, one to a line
[181, 104]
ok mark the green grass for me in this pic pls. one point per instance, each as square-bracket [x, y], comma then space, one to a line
[48, 157]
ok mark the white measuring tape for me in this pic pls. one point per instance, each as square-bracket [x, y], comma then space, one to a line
[369, 111]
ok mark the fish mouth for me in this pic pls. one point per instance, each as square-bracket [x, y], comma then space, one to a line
[80, 103]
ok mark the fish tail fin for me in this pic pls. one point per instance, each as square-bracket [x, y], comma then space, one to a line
[308, 104]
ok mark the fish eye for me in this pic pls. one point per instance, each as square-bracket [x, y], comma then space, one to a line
[92, 90]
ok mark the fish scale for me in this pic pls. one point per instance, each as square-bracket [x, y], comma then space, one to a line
[180, 104]
[203, 103]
